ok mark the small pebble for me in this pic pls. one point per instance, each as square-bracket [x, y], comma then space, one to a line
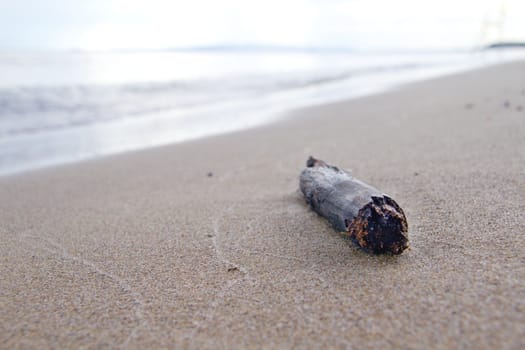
[506, 104]
[210, 174]
[519, 108]
[469, 106]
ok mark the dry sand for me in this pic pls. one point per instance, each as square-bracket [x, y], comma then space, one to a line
[145, 249]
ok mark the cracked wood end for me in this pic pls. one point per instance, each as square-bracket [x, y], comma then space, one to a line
[373, 220]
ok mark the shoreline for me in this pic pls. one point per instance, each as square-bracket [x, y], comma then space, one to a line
[117, 136]
[207, 243]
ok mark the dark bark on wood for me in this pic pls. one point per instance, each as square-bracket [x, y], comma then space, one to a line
[370, 218]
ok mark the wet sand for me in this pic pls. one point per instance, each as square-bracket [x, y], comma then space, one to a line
[208, 244]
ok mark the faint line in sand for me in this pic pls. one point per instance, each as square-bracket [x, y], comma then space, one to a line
[209, 312]
[124, 286]
[218, 251]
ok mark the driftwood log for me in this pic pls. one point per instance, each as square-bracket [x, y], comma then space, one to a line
[359, 211]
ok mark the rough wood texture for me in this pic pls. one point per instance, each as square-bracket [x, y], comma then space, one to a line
[370, 218]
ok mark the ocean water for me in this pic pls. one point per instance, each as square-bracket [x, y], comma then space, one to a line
[59, 107]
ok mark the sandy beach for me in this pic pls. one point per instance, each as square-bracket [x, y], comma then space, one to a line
[209, 244]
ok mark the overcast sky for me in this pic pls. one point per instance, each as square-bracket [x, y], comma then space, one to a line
[360, 24]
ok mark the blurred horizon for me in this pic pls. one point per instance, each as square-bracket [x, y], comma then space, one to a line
[114, 25]
[87, 78]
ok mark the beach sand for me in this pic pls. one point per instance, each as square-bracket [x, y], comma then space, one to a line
[209, 244]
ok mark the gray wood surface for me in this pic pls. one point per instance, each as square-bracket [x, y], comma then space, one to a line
[367, 216]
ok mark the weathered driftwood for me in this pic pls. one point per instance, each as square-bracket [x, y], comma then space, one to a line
[368, 217]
